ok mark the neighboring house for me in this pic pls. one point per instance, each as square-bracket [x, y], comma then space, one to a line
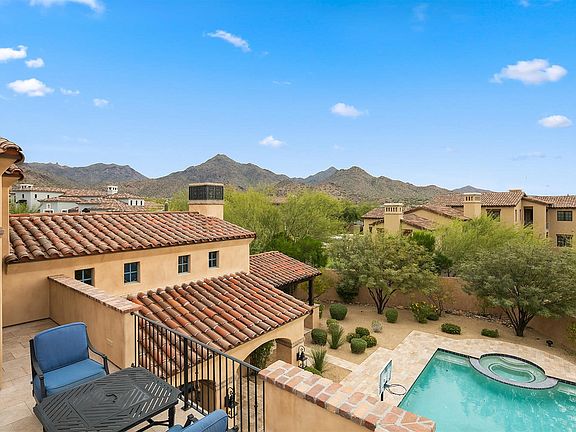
[549, 216]
[56, 200]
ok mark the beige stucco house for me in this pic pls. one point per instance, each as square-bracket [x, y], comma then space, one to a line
[549, 216]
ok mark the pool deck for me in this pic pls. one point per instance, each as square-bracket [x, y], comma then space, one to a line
[411, 356]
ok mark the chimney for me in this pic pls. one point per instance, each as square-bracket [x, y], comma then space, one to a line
[472, 205]
[111, 189]
[392, 217]
[206, 199]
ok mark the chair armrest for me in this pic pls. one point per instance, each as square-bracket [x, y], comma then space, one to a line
[104, 356]
[37, 371]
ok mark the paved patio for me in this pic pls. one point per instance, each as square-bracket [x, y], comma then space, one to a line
[411, 356]
[16, 400]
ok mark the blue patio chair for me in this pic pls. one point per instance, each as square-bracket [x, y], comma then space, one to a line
[216, 421]
[60, 360]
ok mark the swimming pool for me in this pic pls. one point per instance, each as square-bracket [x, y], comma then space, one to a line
[459, 398]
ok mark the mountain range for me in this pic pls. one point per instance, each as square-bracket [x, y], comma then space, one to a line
[353, 183]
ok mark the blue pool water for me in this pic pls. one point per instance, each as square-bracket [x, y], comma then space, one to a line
[458, 398]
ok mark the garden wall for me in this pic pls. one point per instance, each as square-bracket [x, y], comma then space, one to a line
[554, 329]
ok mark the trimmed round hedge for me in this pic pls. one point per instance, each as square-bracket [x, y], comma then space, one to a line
[319, 336]
[338, 311]
[391, 315]
[358, 346]
[490, 333]
[451, 328]
[331, 321]
[362, 331]
[370, 341]
[351, 336]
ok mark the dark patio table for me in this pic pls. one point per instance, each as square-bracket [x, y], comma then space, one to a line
[116, 402]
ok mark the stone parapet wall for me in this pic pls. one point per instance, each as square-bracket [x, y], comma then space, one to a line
[299, 400]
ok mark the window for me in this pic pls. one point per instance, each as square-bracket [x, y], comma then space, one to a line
[131, 272]
[35, 196]
[85, 275]
[563, 240]
[564, 215]
[184, 264]
[493, 213]
[213, 259]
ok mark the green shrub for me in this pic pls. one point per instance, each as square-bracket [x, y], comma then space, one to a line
[362, 331]
[320, 310]
[336, 339]
[376, 326]
[351, 336]
[331, 321]
[451, 328]
[319, 359]
[311, 369]
[260, 355]
[370, 341]
[358, 346]
[338, 311]
[319, 336]
[434, 316]
[347, 291]
[391, 315]
[421, 311]
[490, 333]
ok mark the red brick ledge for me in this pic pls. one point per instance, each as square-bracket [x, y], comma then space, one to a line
[119, 304]
[364, 410]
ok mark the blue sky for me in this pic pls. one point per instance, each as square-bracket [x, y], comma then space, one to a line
[438, 92]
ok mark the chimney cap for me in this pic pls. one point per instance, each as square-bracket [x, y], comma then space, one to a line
[206, 184]
[472, 194]
[515, 190]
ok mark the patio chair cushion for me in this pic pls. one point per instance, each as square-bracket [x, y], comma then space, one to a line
[70, 376]
[216, 421]
[61, 346]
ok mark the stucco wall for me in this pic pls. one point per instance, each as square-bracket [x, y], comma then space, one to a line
[561, 227]
[287, 412]
[26, 296]
[109, 322]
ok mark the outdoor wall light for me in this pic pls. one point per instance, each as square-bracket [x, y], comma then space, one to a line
[230, 403]
[301, 357]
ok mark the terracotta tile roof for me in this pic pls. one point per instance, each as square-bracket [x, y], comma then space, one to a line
[108, 204]
[60, 198]
[377, 213]
[280, 270]
[84, 193]
[419, 222]
[18, 188]
[14, 171]
[49, 236]
[223, 312]
[488, 199]
[10, 149]
[558, 201]
[450, 212]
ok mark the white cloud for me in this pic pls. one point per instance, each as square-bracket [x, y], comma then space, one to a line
[95, 5]
[530, 155]
[30, 87]
[270, 141]
[69, 92]
[535, 71]
[100, 103]
[555, 121]
[420, 12]
[237, 41]
[35, 63]
[282, 83]
[7, 54]
[525, 3]
[344, 110]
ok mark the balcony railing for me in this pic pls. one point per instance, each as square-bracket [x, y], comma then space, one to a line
[208, 378]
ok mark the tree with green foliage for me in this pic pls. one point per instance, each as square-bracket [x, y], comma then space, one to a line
[461, 240]
[254, 211]
[22, 208]
[179, 201]
[305, 249]
[525, 276]
[384, 265]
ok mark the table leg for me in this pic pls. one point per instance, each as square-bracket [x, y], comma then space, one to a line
[171, 415]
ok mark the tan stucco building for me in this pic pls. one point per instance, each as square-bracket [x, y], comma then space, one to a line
[549, 216]
[101, 267]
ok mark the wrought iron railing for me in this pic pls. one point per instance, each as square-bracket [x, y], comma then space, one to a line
[208, 378]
